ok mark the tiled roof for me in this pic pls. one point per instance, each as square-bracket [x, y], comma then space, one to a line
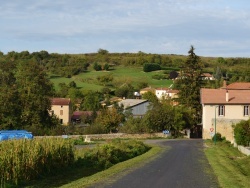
[173, 91]
[239, 85]
[162, 89]
[60, 101]
[206, 74]
[218, 96]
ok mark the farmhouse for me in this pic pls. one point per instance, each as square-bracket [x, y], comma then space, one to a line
[222, 108]
[61, 107]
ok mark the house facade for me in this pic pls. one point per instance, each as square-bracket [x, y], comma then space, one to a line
[223, 108]
[61, 107]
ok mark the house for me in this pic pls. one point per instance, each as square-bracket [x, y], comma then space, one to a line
[237, 85]
[147, 89]
[222, 108]
[138, 107]
[207, 76]
[61, 107]
[164, 93]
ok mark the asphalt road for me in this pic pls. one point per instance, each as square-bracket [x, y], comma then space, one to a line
[182, 166]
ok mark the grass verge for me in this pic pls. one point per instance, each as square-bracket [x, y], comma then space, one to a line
[107, 176]
[231, 167]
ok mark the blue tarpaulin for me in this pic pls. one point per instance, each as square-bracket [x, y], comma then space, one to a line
[15, 134]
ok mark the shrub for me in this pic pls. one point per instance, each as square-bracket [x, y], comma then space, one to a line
[242, 133]
[148, 67]
[218, 137]
[105, 156]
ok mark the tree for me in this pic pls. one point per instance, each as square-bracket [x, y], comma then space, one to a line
[110, 119]
[34, 90]
[10, 108]
[242, 133]
[159, 117]
[91, 101]
[151, 97]
[190, 84]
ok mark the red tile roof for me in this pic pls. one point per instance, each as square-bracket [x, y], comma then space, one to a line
[218, 96]
[60, 101]
[239, 85]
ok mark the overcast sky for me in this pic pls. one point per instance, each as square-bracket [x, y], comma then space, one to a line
[218, 28]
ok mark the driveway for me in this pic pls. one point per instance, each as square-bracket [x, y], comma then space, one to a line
[184, 165]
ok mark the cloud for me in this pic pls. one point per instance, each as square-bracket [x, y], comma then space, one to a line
[160, 26]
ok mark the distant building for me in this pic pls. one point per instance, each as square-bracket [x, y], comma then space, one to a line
[61, 107]
[166, 93]
[207, 76]
[147, 89]
[138, 107]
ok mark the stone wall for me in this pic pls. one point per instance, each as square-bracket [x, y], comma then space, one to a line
[112, 136]
[224, 127]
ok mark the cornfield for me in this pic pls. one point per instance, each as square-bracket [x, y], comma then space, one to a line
[23, 160]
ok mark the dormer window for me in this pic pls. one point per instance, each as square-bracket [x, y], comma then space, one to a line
[246, 110]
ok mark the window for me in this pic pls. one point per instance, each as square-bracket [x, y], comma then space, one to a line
[61, 112]
[221, 111]
[246, 110]
[61, 121]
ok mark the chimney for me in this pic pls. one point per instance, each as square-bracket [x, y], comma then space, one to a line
[227, 96]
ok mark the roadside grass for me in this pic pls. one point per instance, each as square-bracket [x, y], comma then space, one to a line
[110, 175]
[87, 80]
[231, 167]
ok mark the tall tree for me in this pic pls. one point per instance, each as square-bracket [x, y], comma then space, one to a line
[190, 84]
[34, 90]
[9, 98]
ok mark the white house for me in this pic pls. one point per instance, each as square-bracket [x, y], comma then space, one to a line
[164, 93]
[221, 108]
[138, 107]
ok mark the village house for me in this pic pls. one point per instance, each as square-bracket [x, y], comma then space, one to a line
[222, 108]
[61, 107]
[166, 93]
[147, 89]
[207, 76]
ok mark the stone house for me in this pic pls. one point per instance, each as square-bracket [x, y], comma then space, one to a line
[222, 108]
[62, 108]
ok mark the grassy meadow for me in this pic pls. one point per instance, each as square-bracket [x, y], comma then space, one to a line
[133, 75]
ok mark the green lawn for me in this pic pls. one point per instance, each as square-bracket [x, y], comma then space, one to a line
[231, 167]
[133, 75]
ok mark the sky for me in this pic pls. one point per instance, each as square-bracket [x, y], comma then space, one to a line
[216, 28]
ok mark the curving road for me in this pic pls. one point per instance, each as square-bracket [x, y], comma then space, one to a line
[182, 166]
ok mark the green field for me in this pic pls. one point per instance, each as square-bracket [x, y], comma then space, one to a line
[133, 75]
